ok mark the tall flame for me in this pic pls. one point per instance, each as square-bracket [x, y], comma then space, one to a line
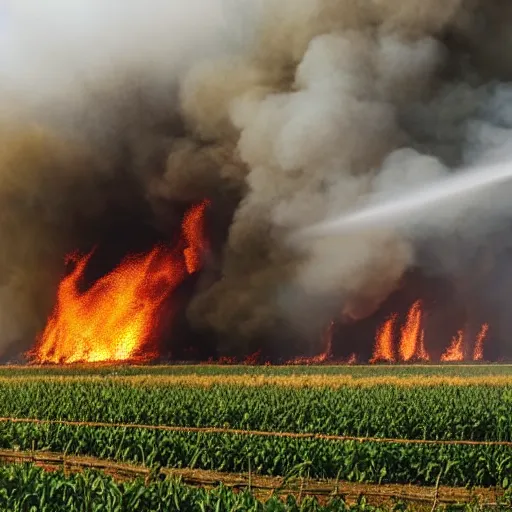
[115, 319]
[411, 345]
[384, 342]
[421, 353]
[478, 353]
[455, 352]
[411, 333]
[193, 232]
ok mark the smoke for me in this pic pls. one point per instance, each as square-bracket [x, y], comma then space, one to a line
[283, 113]
[89, 115]
[313, 132]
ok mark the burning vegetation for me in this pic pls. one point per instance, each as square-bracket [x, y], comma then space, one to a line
[117, 318]
[305, 113]
[410, 344]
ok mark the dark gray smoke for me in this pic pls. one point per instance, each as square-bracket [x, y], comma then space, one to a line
[283, 113]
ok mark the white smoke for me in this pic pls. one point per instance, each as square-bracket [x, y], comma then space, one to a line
[54, 54]
[299, 109]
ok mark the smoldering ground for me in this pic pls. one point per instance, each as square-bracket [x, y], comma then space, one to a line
[283, 113]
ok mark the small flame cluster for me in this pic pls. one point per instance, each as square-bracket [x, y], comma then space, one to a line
[411, 343]
[115, 319]
[326, 356]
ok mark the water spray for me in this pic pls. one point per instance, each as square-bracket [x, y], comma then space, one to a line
[404, 210]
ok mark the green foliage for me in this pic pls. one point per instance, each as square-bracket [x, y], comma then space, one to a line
[442, 412]
[451, 370]
[30, 489]
[477, 412]
[352, 461]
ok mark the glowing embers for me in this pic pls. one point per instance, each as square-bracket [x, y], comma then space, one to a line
[410, 346]
[116, 319]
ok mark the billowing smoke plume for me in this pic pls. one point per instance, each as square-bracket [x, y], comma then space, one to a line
[282, 113]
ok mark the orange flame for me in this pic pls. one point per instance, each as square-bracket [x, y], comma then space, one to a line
[421, 353]
[409, 342]
[193, 233]
[411, 345]
[352, 359]
[384, 342]
[115, 319]
[478, 353]
[325, 355]
[455, 352]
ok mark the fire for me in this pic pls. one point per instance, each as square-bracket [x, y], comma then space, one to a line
[325, 356]
[422, 353]
[193, 232]
[115, 319]
[411, 334]
[411, 345]
[455, 352]
[352, 359]
[384, 342]
[478, 353]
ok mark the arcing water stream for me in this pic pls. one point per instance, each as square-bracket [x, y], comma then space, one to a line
[404, 209]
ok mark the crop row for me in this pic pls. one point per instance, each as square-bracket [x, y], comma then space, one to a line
[405, 371]
[444, 412]
[483, 465]
[28, 488]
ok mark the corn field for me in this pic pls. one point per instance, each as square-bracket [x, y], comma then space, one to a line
[426, 427]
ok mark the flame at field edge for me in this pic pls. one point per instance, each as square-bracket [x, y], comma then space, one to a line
[117, 318]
